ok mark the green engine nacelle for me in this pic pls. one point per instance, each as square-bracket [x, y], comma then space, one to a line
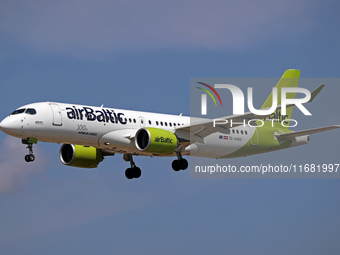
[155, 140]
[80, 156]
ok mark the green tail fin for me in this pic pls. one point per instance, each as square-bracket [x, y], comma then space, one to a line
[289, 79]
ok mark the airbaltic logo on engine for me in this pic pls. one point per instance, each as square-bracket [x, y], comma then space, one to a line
[163, 139]
[102, 115]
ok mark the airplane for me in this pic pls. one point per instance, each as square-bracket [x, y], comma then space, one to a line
[90, 133]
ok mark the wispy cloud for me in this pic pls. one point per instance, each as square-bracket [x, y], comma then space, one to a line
[67, 203]
[60, 203]
[105, 26]
[14, 171]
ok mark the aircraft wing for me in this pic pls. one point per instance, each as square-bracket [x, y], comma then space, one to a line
[200, 128]
[305, 132]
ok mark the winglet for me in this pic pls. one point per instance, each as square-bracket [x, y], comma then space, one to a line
[316, 92]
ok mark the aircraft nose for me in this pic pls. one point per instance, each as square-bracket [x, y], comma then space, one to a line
[8, 125]
[3, 125]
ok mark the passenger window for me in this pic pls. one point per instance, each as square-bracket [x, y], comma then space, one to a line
[166, 124]
[157, 123]
[236, 131]
[241, 132]
[18, 111]
[170, 124]
[161, 123]
[149, 122]
[246, 132]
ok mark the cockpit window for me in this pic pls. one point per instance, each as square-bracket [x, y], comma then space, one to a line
[18, 111]
[31, 111]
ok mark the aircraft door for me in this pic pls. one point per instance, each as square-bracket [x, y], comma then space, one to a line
[255, 137]
[57, 120]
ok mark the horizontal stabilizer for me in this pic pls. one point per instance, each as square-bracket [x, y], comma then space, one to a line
[316, 92]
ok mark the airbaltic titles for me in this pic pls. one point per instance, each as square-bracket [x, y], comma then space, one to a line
[103, 115]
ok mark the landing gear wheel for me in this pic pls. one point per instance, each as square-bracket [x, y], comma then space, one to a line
[176, 165]
[29, 158]
[129, 173]
[134, 172]
[183, 164]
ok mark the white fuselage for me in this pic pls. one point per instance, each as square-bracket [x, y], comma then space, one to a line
[112, 130]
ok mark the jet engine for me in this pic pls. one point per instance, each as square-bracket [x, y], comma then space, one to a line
[80, 156]
[155, 140]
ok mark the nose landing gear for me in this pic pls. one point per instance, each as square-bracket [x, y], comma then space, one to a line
[29, 142]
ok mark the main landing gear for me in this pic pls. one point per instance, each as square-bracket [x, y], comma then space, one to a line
[180, 163]
[133, 171]
[29, 141]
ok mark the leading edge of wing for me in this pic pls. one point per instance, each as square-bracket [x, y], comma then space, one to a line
[294, 134]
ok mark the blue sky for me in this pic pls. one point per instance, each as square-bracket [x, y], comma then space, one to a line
[140, 55]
